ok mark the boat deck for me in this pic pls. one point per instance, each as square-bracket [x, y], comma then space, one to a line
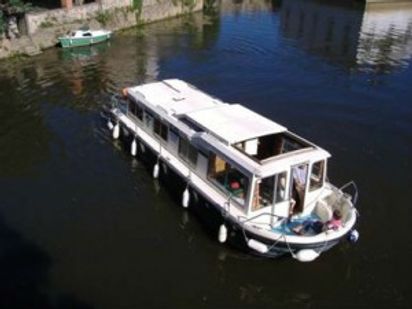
[286, 227]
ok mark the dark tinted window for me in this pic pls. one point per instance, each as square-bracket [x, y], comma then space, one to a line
[160, 129]
[187, 152]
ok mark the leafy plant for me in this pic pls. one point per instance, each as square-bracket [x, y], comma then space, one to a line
[13, 7]
[209, 5]
[189, 3]
[46, 24]
[2, 23]
[103, 17]
[137, 5]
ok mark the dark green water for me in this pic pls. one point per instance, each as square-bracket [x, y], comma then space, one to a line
[83, 225]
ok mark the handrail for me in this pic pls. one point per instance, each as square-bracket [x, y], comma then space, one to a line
[355, 192]
[260, 215]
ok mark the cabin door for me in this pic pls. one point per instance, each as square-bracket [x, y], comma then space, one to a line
[299, 178]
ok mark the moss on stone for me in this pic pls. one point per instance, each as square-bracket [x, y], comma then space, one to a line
[46, 24]
[103, 17]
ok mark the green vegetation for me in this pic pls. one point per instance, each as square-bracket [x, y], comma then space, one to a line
[103, 17]
[46, 24]
[209, 5]
[10, 8]
[2, 23]
[189, 3]
[14, 7]
[185, 3]
[17, 56]
[137, 5]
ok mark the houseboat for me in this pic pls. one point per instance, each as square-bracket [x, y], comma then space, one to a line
[261, 187]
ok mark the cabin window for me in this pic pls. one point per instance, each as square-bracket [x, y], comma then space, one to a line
[316, 175]
[87, 34]
[148, 120]
[269, 191]
[136, 110]
[269, 146]
[187, 152]
[264, 193]
[228, 178]
[160, 129]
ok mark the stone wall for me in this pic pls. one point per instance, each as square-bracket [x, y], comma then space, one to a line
[36, 21]
[153, 10]
[45, 27]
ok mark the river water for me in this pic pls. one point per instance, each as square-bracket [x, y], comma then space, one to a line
[83, 225]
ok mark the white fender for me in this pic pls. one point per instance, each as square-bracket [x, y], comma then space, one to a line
[222, 234]
[133, 148]
[257, 246]
[186, 198]
[306, 255]
[156, 171]
[110, 125]
[116, 131]
[353, 236]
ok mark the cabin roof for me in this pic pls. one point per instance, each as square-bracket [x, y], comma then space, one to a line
[214, 121]
[278, 164]
[234, 123]
[231, 123]
[174, 96]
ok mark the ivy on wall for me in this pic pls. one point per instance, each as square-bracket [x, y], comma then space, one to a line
[2, 23]
[11, 8]
[187, 3]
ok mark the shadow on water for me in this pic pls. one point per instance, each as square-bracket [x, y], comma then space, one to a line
[24, 270]
[18, 111]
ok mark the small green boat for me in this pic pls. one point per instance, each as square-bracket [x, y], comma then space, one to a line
[84, 38]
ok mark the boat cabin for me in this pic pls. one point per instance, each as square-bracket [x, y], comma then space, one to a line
[255, 163]
[81, 34]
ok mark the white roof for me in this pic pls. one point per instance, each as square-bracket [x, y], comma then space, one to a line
[234, 123]
[174, 96]
[231, 123]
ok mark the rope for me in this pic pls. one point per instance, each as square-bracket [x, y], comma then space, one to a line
[290, 250]
[283, 235]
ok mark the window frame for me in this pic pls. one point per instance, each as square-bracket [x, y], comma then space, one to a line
[133, 107]
[274, 192]
[187, 152]
[160, 129]
[314, 183]
[148, 120]
[240, 202]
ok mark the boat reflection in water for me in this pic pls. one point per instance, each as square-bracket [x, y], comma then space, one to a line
[85, 52]
[372, 37]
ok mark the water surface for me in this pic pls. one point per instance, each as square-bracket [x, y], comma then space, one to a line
[83, 225]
